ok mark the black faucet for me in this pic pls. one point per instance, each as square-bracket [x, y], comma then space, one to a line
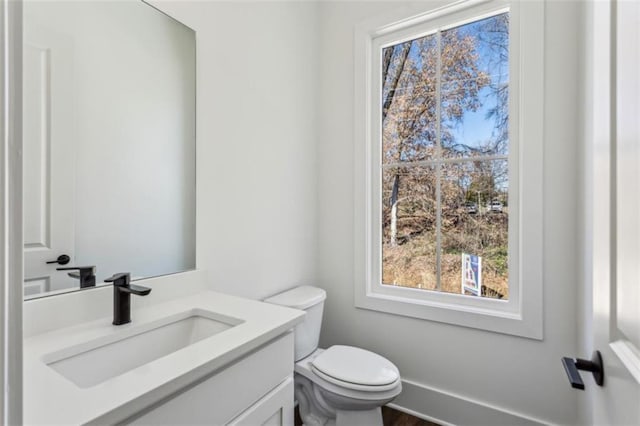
[86, 274]
[122, 291]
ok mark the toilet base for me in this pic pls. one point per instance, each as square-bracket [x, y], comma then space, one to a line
[319, 407]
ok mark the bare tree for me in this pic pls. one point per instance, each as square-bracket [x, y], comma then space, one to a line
[410, 107]
[472, 61]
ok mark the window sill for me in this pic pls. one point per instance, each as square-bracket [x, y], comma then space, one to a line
[490, 317]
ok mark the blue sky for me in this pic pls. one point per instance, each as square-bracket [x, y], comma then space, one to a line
[475, 127]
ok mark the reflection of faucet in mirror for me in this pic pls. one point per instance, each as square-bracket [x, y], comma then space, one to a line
[86, 274]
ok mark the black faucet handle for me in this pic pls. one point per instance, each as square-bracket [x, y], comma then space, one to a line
[136, 289]
[121, 279]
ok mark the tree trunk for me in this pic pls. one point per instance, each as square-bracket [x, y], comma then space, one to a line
[393, 84]
[386, 62]
[393, 228]
[404, 53]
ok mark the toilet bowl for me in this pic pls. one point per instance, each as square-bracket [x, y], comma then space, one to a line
[332, 384]
[341, 385]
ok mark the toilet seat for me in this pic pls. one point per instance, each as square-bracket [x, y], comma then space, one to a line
[356, 368]
[305, 368]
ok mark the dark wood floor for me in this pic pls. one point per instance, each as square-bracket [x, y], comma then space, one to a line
[390, 417]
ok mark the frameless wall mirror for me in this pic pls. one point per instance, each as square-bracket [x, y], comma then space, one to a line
[109, 143]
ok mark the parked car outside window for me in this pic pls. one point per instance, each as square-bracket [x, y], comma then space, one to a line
[471, 208]
[495, 206]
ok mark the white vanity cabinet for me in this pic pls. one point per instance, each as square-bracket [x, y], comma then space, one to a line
[256, 389]
[206, 358]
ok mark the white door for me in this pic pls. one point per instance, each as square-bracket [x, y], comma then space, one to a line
[616, 211]
[49, 158]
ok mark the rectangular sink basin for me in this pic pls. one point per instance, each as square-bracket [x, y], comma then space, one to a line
[94, 362]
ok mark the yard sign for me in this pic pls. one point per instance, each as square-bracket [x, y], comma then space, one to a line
[471, 274]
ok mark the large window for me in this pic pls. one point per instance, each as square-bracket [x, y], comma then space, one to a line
[445, 145]
[448, 168]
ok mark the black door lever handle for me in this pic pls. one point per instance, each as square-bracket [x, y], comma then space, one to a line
[63, 259]
[595, 366]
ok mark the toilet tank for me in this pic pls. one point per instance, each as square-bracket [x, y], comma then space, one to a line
[311, 300]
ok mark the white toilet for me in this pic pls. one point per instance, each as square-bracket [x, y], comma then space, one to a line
[341, 385]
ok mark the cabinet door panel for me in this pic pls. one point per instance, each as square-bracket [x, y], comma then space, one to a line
[275, 409]
[227, 393]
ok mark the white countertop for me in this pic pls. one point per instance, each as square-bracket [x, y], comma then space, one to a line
[50, 398]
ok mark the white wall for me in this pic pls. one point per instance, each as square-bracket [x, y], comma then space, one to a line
[256, 174]
[266, 72]
[134, 150]
[511, 374]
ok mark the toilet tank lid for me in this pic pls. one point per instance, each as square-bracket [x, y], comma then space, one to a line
[301, 297]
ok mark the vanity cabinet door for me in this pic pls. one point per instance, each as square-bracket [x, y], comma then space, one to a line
[275, 409]
[228, 393]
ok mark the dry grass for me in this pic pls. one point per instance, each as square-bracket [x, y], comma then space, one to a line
[413, 264]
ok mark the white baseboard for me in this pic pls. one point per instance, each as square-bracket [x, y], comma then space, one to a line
[449, 409]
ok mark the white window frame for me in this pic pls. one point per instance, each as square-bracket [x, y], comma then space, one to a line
[521, 314]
